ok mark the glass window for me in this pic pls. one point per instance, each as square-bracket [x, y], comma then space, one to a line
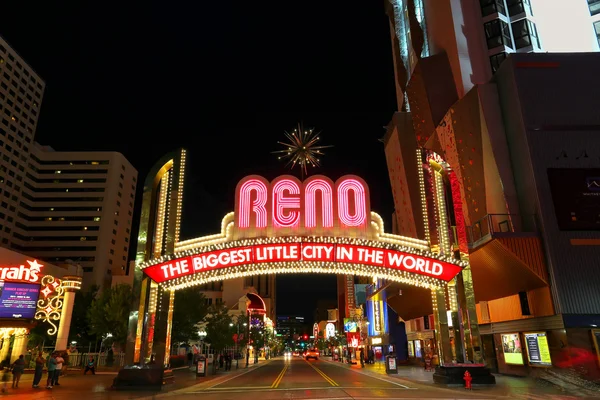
[594, 6]
[521, 33]
[497, 34]
[516, 7]
[597, 27]
[489, 7]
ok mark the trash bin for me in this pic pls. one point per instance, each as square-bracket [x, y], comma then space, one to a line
[391, 366]
[201, 367]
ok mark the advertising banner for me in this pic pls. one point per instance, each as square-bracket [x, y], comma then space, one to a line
[350, 325]
[18, 300]
[538, 351]
[511, 347]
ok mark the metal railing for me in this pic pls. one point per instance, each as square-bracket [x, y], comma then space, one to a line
[498, 223]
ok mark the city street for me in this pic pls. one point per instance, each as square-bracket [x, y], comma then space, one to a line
[294, 378]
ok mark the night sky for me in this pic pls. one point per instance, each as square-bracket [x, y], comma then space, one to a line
[223, 79]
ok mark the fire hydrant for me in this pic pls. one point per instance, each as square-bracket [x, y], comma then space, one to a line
[468, 378]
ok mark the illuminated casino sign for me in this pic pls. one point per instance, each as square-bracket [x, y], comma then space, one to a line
[23, 273]
[313, 226]
[317, 204]
[302, 251]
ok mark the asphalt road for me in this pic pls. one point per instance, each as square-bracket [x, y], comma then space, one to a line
[296, 378]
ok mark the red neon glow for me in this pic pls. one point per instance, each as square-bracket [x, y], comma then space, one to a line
[310, 203]
[360, 216]
[461, 230]
[24, 273]
[257, 206]
[282, 217]
[302, 251]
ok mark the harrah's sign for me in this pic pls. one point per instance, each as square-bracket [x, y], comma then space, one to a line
[316, 205]
[22, 273]
[302, 251]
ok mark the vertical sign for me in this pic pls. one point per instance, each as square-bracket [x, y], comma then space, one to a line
[377, 316]
[350, 303]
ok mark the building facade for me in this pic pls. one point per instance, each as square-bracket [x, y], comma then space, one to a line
[61, 207]
[507, 165]
[478, 35]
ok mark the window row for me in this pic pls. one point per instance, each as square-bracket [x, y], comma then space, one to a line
[509, 9]
[524, 32]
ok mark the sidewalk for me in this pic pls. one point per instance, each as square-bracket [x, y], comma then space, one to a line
[506, 386]
[75, 385]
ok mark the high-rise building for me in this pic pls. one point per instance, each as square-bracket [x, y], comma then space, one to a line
[77, 206]
[61, 207]
[500, 169]
[477, 35]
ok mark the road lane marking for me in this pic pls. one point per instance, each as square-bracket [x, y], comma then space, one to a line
[279, 377]
[237, 376]
[328, 379]
[372, 376]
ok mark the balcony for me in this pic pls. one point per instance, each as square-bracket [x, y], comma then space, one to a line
[501, 225]
[506, 256]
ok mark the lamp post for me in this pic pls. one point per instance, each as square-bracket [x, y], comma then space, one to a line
[237, 339]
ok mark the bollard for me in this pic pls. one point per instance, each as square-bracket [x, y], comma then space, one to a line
[468, 378]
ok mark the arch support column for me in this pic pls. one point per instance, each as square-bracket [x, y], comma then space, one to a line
[71, 285]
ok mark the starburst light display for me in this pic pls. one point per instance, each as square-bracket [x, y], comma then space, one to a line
[302, 149]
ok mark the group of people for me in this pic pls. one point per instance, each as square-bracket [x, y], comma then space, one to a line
[54, 363]
[225, 361]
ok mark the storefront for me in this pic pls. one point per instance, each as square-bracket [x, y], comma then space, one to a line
[30, 291]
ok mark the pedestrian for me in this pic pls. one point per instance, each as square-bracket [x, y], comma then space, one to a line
[17, 370]
[5, 379]
[58, 370]
[39, 370]
[221, 360]
[51, 364]
[90, 366]
[362, 357]
[190, 357]
[228, 362]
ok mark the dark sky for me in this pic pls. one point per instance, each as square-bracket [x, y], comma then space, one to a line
[223, 79]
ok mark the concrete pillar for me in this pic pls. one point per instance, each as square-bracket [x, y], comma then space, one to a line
[5, 348]
[19, 347]
[71, 284]
[442, 333]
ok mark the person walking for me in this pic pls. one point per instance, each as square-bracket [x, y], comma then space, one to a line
[90, 366]
[5, 379]
[59, 365]
[362, 357]
[18, 368]
[39, 370]
[51, 364]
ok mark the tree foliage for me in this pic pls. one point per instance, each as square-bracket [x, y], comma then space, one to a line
[109, 313]
[189, 309]
[218, 331]
[80, 326]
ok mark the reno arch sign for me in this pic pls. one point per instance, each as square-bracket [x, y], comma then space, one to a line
[314, 207]
[313, 226]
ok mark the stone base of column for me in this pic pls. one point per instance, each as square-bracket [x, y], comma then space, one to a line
[151, 377]
[454, 375]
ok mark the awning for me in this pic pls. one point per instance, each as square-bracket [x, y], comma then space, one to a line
[506, 266]
[409, 301]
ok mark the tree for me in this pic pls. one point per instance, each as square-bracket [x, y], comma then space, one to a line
[218, 331]
[109, 313]
[80, 325]
[189, 309]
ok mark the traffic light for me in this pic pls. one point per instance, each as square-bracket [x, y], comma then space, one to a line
[305, 337]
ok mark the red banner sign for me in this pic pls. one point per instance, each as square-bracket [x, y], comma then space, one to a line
[307, 251]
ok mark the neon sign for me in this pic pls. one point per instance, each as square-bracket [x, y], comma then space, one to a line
[22, 273]
[287, 203]
[302, 251]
